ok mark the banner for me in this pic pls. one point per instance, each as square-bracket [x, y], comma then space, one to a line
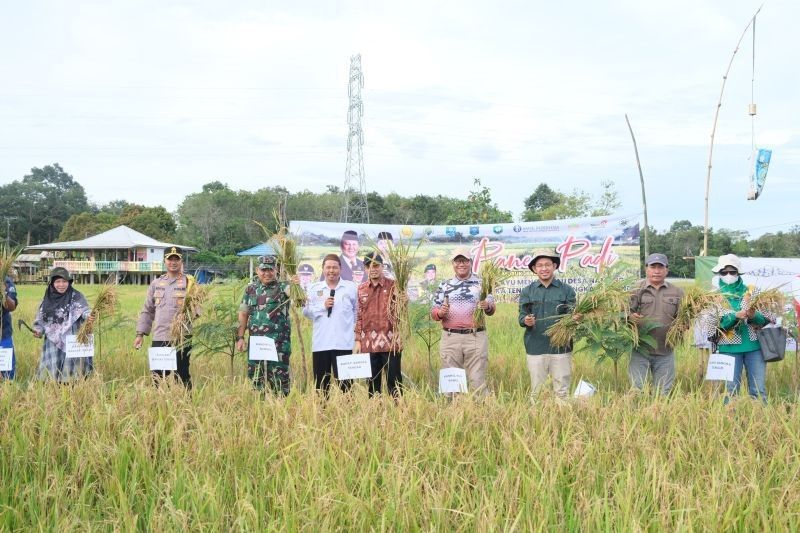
[584, 245]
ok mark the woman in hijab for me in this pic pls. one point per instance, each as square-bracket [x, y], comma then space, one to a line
[61, 313]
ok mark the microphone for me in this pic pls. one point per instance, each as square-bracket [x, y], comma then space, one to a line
[333, 293]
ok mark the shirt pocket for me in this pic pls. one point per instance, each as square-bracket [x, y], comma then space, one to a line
[158, 297]
[647, 303]
[536, 307]
[671, 304]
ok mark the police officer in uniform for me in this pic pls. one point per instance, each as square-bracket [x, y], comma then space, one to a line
[164, 300]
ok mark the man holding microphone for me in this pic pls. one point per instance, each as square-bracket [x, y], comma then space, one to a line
[331, 306]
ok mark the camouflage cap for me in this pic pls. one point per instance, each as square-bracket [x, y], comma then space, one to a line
[60, 272]
[267, 261]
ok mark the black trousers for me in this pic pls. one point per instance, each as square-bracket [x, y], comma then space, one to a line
[182, 373]
[325, 366]
[394, 378]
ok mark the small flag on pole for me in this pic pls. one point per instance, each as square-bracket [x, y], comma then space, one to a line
[758, 176]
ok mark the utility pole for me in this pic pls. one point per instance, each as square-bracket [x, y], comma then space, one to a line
[354, 205]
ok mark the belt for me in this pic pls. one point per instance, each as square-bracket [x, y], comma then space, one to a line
[464, 331]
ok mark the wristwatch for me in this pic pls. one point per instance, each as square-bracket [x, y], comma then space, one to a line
[239, 337]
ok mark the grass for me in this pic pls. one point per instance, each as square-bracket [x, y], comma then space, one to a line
[115, 453]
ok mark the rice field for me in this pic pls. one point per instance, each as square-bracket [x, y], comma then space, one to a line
[114, 453]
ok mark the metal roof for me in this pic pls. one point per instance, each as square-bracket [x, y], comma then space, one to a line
[258, 250]
[121, 237]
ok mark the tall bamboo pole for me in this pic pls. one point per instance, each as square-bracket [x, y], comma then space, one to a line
[644, 196]
[714, 128]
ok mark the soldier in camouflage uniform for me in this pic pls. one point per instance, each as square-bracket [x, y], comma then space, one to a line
[264, 311]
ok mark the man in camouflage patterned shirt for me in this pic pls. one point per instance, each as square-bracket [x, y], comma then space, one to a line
[264, 311]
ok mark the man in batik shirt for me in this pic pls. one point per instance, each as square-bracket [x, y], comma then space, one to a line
[376, 327]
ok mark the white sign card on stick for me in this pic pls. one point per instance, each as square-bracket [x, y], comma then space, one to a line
[163, 358]
[452, 380]
[6, 361]
[584, 388]
[354, 366]
[720, 367]
[76, 350]
[262, 349]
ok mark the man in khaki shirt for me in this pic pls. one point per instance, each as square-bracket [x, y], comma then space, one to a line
[164, 300]
[655, 300]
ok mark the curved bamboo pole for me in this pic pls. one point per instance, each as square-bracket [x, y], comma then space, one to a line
[714, 129]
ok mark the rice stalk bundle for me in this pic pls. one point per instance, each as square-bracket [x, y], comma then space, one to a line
[285, 245]
[7, 258]
[182, 323]
[401, 255]
[770, 302]
[104, 305]
[492, 275]
[608, 300]
[696, 303]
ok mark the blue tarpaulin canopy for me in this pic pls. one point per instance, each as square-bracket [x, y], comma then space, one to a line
[258, 249]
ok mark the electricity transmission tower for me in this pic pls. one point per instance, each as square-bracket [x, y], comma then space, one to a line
[354, 193]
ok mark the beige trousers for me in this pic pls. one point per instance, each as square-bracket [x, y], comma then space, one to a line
[469, 351]
[556, 365]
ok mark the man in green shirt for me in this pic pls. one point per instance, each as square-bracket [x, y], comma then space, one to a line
[541, 304]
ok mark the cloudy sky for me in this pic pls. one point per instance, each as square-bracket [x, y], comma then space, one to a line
[148, 100]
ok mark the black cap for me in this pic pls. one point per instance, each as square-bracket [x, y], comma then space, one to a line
[430, 267]
[653, 259]
[386, 236]
[305, 268]
[174, 251]
[373, 257]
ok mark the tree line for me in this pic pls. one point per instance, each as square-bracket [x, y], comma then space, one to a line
[48, 205]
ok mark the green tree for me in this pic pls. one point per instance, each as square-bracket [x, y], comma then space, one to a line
[42, 202]
[85, 225]
[548, 204]
[155, 222]
[478, 208]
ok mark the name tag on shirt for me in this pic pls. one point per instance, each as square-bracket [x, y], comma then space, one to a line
[262, 349]
[76, 350]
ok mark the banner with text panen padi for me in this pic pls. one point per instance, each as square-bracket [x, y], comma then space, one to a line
[585, 245]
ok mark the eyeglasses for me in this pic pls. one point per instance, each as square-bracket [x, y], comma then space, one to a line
[728, 272]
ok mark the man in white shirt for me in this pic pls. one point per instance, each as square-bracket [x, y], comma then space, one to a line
[331, 306]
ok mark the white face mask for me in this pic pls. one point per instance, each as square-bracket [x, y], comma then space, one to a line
[730, 278]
